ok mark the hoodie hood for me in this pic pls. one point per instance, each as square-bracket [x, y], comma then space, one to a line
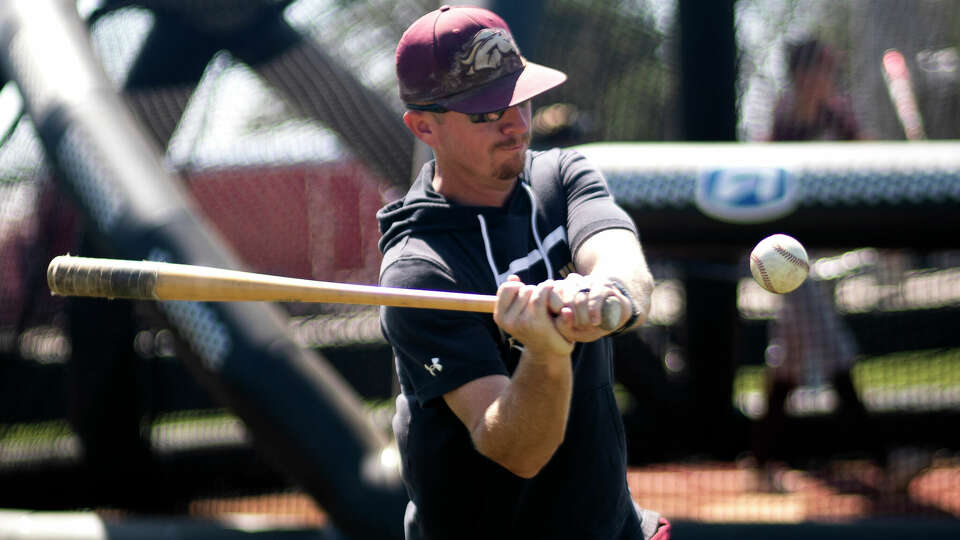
[423, 210]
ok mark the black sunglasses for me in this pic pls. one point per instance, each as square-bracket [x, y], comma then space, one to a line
[477, 118]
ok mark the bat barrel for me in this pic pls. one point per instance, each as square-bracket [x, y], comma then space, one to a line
[82, 276]
[151, 280]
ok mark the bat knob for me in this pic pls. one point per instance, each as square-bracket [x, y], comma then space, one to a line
[611, 314]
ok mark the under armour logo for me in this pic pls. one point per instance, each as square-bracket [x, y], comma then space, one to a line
[435, 368]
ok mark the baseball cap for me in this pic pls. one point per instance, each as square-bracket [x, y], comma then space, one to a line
[465, 59]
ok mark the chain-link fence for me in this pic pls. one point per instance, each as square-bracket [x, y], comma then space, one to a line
[288, 138]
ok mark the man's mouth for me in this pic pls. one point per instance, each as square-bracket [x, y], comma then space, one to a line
[512, 144]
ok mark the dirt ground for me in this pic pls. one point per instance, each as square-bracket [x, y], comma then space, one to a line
[704, 492]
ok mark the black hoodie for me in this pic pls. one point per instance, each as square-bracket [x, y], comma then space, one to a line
[429, 242]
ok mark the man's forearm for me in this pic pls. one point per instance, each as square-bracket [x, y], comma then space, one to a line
[638, 288]
[523, 427]
[616, 255]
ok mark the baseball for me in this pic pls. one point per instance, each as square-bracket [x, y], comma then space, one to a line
[779, 263]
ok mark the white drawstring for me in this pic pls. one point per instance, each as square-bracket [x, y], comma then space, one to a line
[497, 277]
[486, 247]
[536, 233]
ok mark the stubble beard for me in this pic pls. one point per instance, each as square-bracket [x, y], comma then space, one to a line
[513, 166]
[510, 170]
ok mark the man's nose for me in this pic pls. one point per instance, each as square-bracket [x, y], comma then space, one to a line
[516, 119]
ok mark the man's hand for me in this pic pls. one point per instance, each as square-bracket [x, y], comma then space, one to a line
[523, 312]
[520, 421]
[578, 300]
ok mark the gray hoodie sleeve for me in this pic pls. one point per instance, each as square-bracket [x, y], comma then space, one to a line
[590, 206]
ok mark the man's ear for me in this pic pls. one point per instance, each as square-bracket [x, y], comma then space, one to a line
[420, 124]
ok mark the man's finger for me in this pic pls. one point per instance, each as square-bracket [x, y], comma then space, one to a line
[595, 304]
[541, 297]
[506, 298]
[565, 323]
[581, 307]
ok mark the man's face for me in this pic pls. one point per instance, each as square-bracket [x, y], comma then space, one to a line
[816, 80]
[485, 151]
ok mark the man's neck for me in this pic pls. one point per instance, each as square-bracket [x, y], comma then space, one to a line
[473, 192]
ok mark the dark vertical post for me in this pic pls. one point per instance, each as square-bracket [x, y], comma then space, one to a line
[708, 112]
[707, 69]
[524, 21]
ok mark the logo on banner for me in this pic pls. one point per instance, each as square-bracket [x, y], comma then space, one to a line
[747, 194]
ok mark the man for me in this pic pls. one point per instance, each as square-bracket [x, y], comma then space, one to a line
[812, 109]
[507, 426]
[808, 339]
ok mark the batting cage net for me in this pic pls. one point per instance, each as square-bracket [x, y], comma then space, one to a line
[278, 126]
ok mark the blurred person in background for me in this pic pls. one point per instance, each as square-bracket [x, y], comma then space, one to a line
[507, 426]
[811, 108]
[809, 342]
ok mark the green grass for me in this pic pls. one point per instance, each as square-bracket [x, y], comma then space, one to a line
[938, 368]
[192, 417]
[37, 432]
[934, 369]
[51, 430]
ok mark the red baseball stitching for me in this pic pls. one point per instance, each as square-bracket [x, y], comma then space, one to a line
[790, 257]
[763, 272]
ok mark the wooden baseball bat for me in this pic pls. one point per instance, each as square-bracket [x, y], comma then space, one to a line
[151, 280]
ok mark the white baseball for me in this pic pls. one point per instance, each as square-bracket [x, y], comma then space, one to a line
[779, 263]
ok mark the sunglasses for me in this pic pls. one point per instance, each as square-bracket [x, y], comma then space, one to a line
[478, 118]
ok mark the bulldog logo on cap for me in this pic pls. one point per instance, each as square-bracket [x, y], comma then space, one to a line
[487, 50]
[488, 56]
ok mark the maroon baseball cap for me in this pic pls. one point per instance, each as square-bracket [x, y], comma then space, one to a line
[464, 58]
